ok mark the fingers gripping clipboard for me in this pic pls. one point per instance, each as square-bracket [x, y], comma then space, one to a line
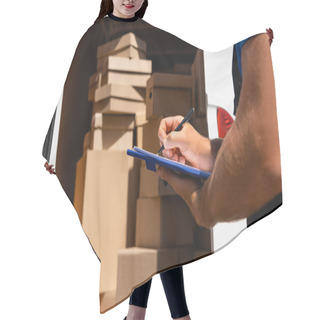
[152, 159]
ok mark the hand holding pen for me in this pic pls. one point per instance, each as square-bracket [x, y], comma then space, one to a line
[186, 146]
[179, 127]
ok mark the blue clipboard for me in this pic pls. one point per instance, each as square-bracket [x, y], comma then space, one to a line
[152, 159]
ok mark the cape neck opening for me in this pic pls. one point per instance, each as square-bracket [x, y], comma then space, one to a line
[113, 17]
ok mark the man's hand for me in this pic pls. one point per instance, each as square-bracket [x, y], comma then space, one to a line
[186, 145]
[189, 189]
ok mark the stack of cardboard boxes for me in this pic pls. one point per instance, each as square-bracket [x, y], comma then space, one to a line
[135, 221]
[107, 180]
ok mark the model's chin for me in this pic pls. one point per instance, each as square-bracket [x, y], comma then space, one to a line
[127, 12]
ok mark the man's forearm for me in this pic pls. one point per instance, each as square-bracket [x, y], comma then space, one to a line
[247, 171]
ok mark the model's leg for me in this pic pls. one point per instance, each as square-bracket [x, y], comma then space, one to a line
[172, 281]
[138, 302]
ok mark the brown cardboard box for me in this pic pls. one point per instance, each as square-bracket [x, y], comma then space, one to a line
[110, 194]
[80, 184]
[163, 222]
[170, 80]
[94, 83]
[104, 77]
[132, 79]
[135, 265]
[168, 102]
[199, 95]
[201, 253]
[153, 186]
[112, 132]
[128, 39]
[204, 238]
[121, 106]
[122, 71]
[182, 68]
[127, 71]
[107, 184]
[87, 140]
[168, 94]
[95, 79]
[147, 135]
[124, 64]
[91, 92]
[107, 298]
[186, 253]
[112, 121]
[116, 90]
[103, 139]
[201, 125]
[128, 52]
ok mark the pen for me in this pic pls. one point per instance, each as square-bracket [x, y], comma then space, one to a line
[186, 118]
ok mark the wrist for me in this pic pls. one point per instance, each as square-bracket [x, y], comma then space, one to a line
[204, 154]
[215, 145]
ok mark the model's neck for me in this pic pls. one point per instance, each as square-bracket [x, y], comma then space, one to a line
[126, 19]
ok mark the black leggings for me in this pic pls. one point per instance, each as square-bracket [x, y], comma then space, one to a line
[172, 281]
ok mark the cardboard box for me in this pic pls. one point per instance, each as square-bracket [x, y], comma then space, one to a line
[124, 64]
[201, 125]
[107, 298]
[168, 95]
[135, 265]
[191, 253]
[163, 222]
[124, 71]
[182, 68]
[101, 78]
[128, 39]
[199, 95]
[87, 141]
[112, 132]
[109, 213]
[121, 106]
[186, 253]
[147, 135]
[103, 139]
[153, 186]
[95, 79]
[80, 185]
[106, 191]
[128, 52]
[198, 254]
[114, 90]
[203, 238]
[94, 83]
[132, 79]
[112, 122]
[170, 80]
[168, 102]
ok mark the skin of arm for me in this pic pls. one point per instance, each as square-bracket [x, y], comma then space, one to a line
[247, 172]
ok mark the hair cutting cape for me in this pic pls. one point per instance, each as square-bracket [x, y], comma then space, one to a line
[123, 79]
